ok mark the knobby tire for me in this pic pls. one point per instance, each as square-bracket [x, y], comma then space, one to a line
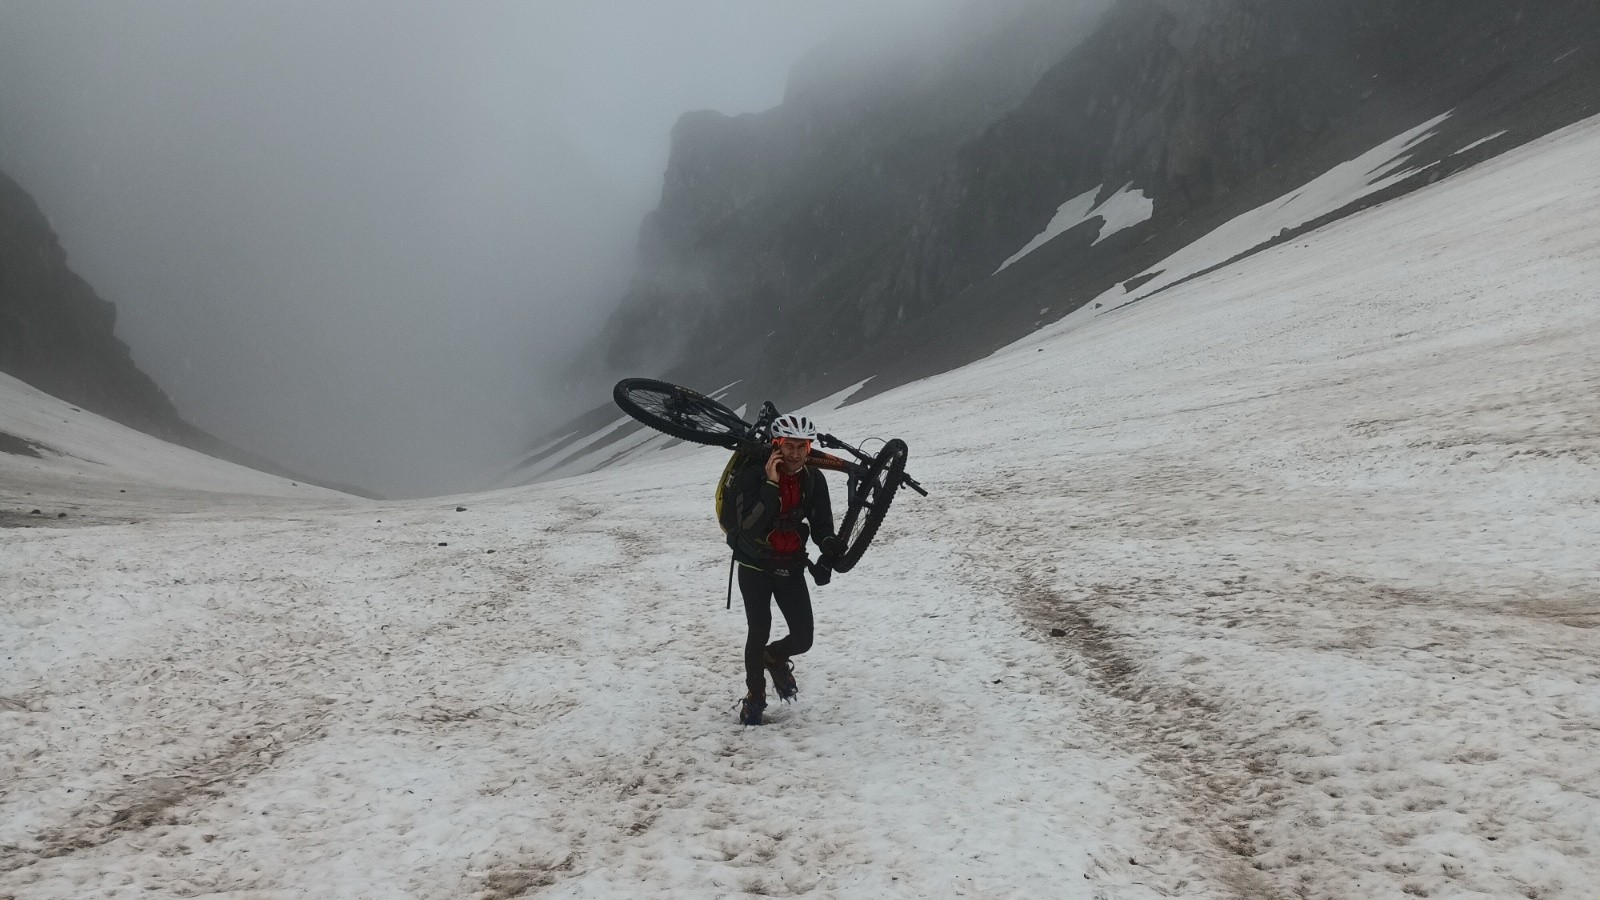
[691, 416]
[870, 498]
[680, 412]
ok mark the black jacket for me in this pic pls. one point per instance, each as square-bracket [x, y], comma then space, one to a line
[756, 507]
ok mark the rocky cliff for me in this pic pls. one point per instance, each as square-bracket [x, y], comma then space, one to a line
[1210, 109]
[864, 227]
[58, 335]
[760, 213]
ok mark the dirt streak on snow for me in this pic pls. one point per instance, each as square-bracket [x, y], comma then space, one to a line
[1323, 536]
[1315, 532]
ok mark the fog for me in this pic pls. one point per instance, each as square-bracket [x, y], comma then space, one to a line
[363, 239]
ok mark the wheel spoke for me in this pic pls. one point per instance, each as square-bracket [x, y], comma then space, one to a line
[680, 412]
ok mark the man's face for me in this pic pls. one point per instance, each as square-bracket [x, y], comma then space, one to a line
[793, 452]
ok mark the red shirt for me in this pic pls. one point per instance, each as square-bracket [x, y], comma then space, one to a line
[786, 540]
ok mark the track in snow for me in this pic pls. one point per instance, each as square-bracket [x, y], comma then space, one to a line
[1316, 530]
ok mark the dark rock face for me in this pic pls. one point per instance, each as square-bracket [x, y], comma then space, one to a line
[1192, 101]
[831, 237]
[57, 334]
[856, 230]
[1213, 108]
[10, 443]
[763, 216]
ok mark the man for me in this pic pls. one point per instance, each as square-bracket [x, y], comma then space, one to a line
[777, 506]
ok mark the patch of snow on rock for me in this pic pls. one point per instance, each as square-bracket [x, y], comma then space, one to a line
[1343, 184]
[1071, 213]
[1478, 143]
[1124, 209]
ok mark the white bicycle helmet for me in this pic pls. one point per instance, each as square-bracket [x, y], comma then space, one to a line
[793, 426]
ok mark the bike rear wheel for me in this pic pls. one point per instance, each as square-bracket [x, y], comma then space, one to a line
[685, 414]
[870, 496]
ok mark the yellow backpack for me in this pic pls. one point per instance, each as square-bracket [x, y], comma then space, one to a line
[727, 516]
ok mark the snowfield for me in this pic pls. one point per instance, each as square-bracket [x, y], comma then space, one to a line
[46, 441]
[1279, 583]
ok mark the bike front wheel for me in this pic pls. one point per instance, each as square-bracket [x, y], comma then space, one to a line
[870, 496]
[685, 414]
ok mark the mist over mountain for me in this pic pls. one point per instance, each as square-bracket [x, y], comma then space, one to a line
[761, 214]
[923, 193]
[58, 335]
[364, 238]
[877, 224]
[1241, 356]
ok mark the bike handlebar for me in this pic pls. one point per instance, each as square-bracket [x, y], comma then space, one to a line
[833, 443]
[769, 413]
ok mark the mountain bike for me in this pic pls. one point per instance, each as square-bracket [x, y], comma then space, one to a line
[873, 478]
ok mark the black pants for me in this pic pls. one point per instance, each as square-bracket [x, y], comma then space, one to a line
[794, 601]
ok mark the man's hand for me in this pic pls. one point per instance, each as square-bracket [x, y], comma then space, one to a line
[821, 573]
[772, 466]
[832, 546]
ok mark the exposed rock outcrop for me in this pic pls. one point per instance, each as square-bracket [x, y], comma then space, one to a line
[59, 336]
[860, 229]
[763, 214]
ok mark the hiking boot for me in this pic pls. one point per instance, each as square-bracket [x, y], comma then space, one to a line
[751, 708]
[782, 672]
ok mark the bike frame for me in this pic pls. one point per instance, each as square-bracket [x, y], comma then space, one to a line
[689, 416]
[821, 460]
[834, 463]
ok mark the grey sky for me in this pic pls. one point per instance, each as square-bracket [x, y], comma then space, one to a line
[357, 237]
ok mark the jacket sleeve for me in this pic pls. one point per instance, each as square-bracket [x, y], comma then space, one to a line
[755, 501]
[820, 511]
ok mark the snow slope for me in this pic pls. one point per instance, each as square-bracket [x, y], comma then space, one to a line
[1277, 584]
[71, 443]
[61, 466]
[1368, 173]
